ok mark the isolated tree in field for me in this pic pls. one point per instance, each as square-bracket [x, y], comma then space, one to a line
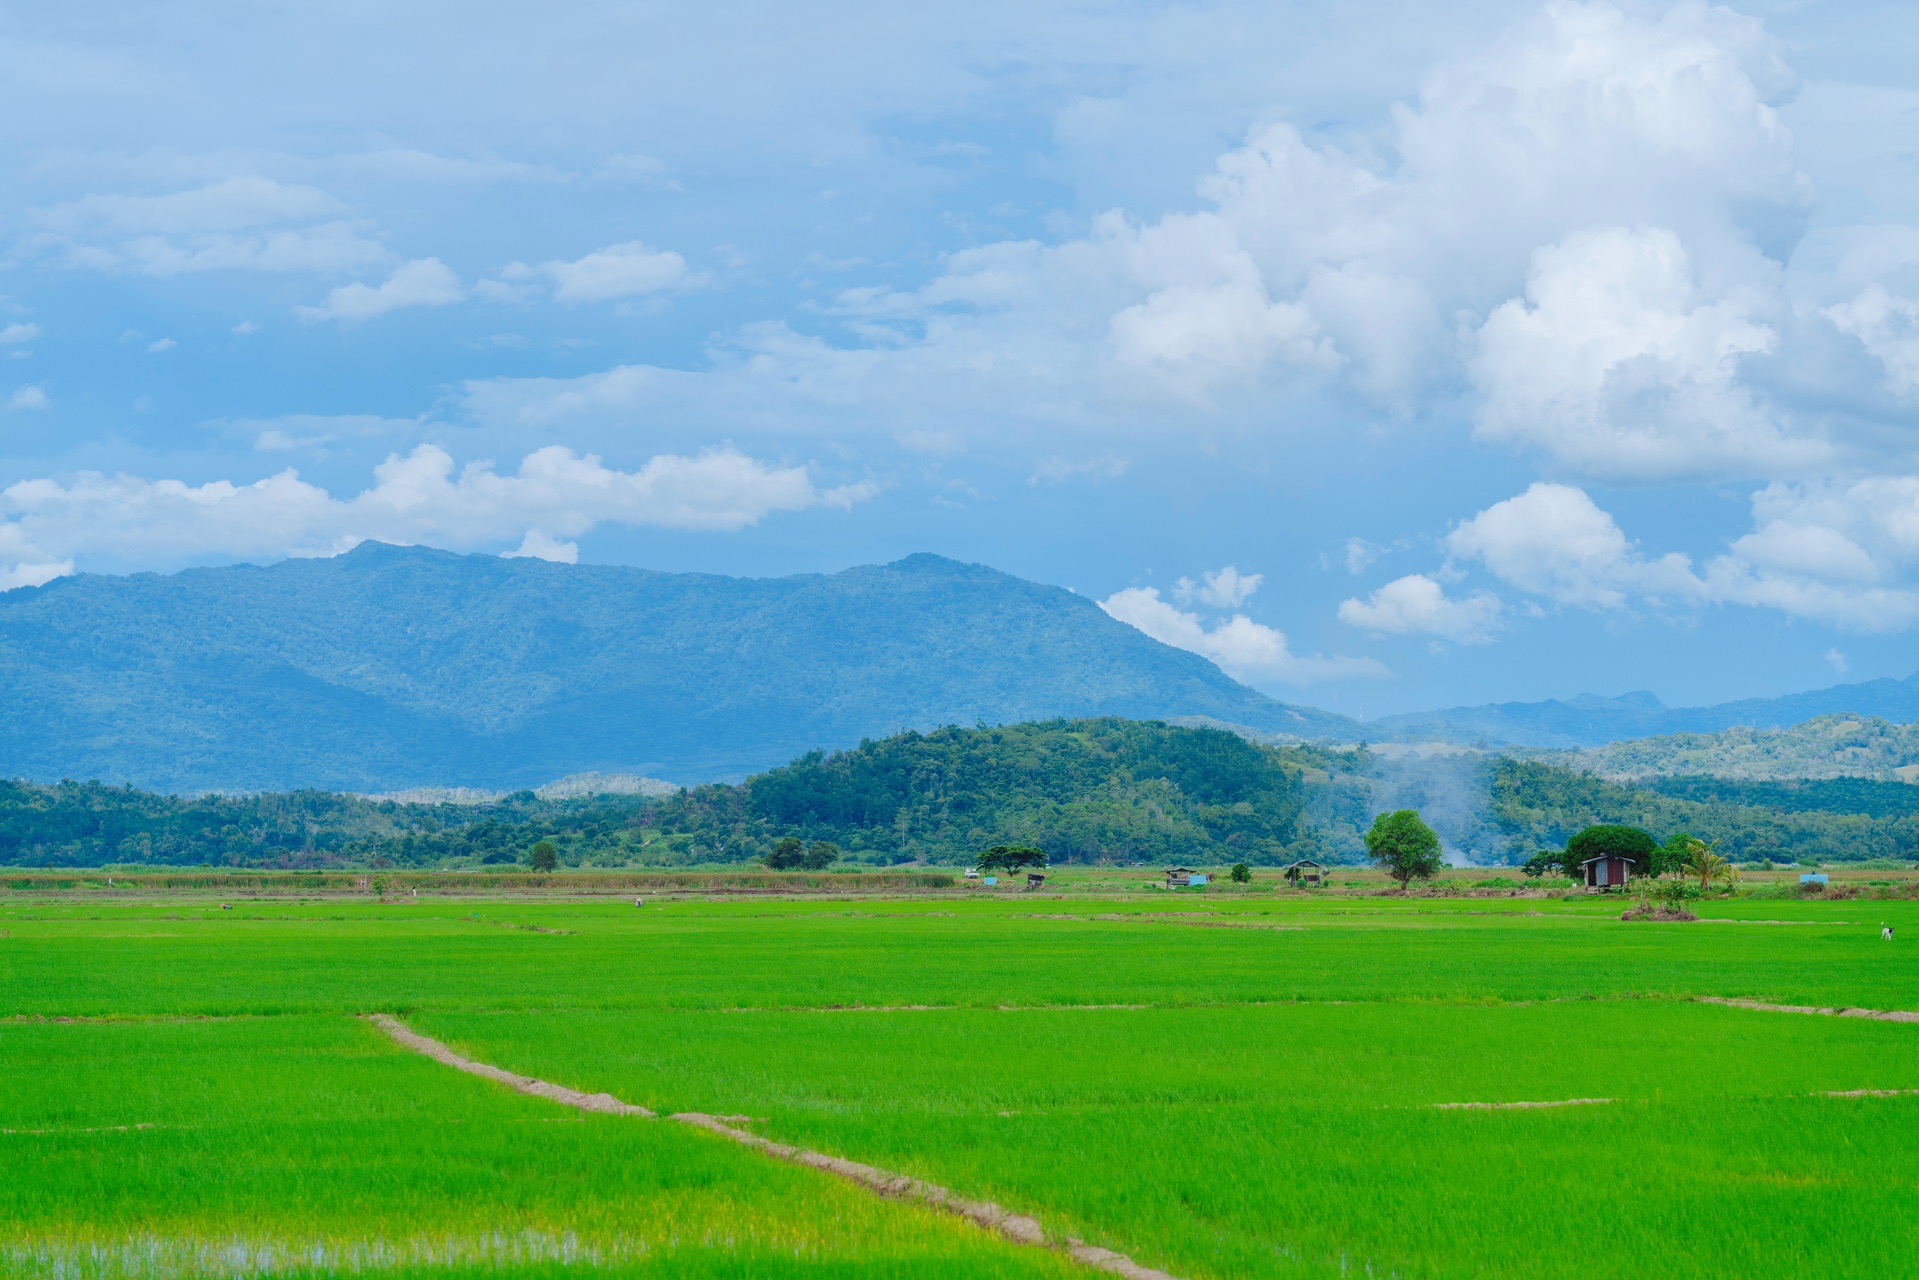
[1011, 857]
[788, 854]
[1542, 862]
[1613, 842]
[545, 857]
[1240, 874]
[1404, 846]
[820, 855]
[1693, 857]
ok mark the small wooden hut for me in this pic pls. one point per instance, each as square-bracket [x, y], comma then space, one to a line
[1034, 880]
[1304, 872]
[1609, 872]
[1179, 877]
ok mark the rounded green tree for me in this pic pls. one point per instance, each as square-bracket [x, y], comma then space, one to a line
[1404, 846]
[545, 856]
[1011, 857]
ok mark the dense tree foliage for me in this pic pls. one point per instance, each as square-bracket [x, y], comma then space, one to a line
[1082, 791]
[1404, 847]
[1541, 806]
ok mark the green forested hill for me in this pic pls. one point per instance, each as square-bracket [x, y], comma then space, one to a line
[1085, 791]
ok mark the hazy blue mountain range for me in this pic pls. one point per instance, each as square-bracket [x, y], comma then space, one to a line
[392, 667]
[1593, 721]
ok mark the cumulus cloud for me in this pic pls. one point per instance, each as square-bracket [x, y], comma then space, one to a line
[629, 270]
[1887, 326]
[424, 282]
[29, 397]
[1225, 588]
[161, 345]
[1830, 552]
[1417, 605]
[555, 495]
[1589, 202]
[1618, 364]
[15, 334]
[1242, 648]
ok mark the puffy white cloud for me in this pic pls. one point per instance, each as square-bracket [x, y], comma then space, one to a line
[1242, 648]
[1315, 271]
[1887, 325]
[1830, 552]
[161, 345]
[14, 334]
[538, 545]
[629, 270]
[556, 495]
[424, 282]
[29, 397]
[1618, 364]
[1225, 588]
[1553, 540]
[1417, 605]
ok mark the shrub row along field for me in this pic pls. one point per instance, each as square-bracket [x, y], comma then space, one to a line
[1218, 1087]
[1095, 791]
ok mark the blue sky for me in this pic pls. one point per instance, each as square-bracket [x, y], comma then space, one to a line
[1391, 356]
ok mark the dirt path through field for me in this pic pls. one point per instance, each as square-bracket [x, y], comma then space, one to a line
[1877, 1015]
[1018, 1228]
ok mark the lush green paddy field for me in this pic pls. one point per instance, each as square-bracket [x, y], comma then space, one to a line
[1219, 1087]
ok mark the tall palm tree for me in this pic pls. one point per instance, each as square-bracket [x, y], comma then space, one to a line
[1702, 859]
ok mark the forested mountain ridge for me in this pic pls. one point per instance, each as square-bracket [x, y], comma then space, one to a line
[395, 667]
[1839, 746]
[1111, 791]
[1593, 721]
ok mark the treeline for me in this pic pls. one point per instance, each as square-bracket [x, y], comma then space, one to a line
[74, 824]
[1112, 791]
[1543, 806]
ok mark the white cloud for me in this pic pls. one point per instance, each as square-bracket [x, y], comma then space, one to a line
[1837, 661]
[1554, 541]
[1888, 327]
[540, 546]
[236, 224]
[1046, 470]
[1312, 273]
[1242, 648]
[556, 495]
[163, 344]
[629, 270]
[233, 204]
[1417, 605]
[1829, 552]
[1225, 588]
[1619, 364]
[29, 397]
[245, 328]
[14, 334]
[424, 282]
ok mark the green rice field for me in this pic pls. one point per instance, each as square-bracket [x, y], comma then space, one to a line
[1264, 1085]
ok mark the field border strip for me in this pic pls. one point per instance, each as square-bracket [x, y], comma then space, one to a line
[1018, 1228]
[1876, 1015]
[603, 1103]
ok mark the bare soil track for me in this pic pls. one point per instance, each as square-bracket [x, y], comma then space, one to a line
[1018, 1228]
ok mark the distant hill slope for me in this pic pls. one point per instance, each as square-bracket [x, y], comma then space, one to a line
[1825, 747]
[390, 667]
[1592, 721]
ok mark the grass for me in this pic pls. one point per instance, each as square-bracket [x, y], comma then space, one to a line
[245, 1146]
[1261, 1105]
